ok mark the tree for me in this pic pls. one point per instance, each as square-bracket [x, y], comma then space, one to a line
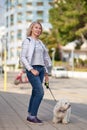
[49, 40]
[68, 19]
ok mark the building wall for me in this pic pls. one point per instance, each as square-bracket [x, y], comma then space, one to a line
[19, 15]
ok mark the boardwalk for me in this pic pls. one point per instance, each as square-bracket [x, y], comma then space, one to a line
[13, 106]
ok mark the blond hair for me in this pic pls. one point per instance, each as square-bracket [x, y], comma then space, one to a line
[29, 30]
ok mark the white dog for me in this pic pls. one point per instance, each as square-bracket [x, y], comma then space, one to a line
[62, 111]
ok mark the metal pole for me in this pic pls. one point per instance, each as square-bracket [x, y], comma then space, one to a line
[1, 55]
[4, 41]
[72, 60]
[5, 68]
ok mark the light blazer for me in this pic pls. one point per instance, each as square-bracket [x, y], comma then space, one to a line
[27, 54]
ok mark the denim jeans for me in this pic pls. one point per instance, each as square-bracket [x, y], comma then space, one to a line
[37, 89]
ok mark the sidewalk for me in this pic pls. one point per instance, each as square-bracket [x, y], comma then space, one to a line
[13, 111]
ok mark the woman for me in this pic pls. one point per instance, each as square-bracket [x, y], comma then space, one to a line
[35, 59]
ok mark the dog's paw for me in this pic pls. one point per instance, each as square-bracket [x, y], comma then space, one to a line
[65, 122]
[55, 120]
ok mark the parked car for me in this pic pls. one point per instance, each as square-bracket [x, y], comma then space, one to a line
[59, 71]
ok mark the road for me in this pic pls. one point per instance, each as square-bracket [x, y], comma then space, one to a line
[74, 89]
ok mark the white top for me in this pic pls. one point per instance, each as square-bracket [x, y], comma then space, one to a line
[38, 55]
[29, 47]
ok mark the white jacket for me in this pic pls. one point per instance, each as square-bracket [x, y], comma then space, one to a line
[27, 54]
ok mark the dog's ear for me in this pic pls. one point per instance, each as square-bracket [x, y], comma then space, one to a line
[58, 105]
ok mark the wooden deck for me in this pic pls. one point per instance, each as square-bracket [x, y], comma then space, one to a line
[14, 103]
[13, 113]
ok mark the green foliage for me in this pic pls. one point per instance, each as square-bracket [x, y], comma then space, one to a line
[68, 19]
[79, 63]
[49, 40]
[69, 22]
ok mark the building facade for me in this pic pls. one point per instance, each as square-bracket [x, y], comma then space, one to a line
[19, 14]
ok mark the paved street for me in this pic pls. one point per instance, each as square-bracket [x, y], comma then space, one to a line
[13, 104]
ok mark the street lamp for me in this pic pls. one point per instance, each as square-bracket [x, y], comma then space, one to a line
[53, 56]
[71, 61]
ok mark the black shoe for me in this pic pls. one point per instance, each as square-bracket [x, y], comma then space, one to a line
[34, 120]
[39, 120]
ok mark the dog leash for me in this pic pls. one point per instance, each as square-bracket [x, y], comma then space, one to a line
[47, 86]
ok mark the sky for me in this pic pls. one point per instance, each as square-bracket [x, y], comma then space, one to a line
[2, 1]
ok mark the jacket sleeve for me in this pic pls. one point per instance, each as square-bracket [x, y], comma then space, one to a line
[24, 54]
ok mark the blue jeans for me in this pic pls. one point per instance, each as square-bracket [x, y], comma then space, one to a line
[37, 89]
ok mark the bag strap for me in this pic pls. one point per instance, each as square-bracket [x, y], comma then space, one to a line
[28, 39]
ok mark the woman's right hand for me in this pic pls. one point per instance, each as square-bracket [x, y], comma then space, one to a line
[46, 78]
[34, 72]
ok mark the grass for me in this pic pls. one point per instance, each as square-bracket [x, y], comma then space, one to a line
[66, 64]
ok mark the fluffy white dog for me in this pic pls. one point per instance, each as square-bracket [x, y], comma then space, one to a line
[62, 111]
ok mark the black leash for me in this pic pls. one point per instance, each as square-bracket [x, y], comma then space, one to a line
[47, 86]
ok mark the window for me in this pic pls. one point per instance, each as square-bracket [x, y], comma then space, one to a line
[12, 35]
[29, 4]
[40, 20]
[40, 13]
[19, 6]
[12, 19]
[18, 51]
[12, 53]
[39, 3]
[11, 4]
[7, 4]
[7, 1]
[7, 35]
[50, 3]
[19, 17]
[19, 35]
[28, 13]
[28, 22]
[7, 21]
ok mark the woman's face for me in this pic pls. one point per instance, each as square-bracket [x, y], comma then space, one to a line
[36, 30]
